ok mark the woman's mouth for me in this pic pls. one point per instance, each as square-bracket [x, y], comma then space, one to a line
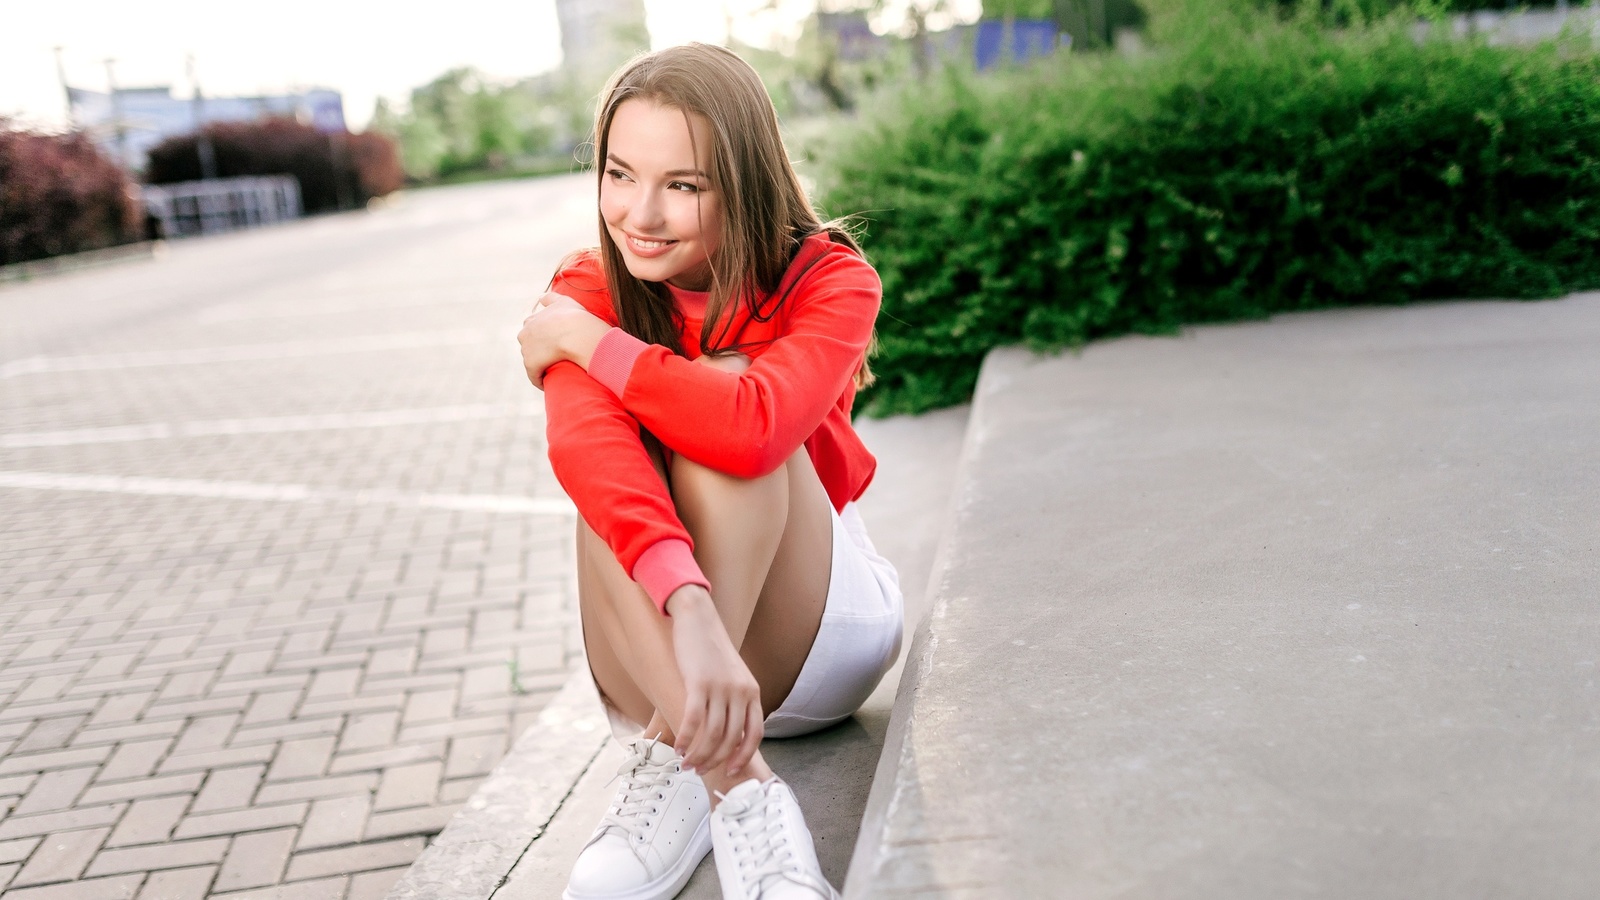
[648, 248]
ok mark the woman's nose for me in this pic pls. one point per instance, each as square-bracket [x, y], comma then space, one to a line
[646, 213]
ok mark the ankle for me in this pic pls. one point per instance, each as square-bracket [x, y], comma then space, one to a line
[720, 782]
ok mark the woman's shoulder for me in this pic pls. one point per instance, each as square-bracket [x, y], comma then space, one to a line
[582, 276]
[825, 261]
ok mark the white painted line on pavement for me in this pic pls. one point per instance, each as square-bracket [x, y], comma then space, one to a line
[35, 365]
[289, 493]
[267, 425]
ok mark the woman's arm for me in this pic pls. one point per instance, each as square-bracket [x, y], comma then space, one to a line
[747, 424]
[601, 462]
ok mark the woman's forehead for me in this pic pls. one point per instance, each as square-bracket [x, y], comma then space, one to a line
[647, 135]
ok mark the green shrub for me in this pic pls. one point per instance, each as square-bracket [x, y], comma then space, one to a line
[1249, 173]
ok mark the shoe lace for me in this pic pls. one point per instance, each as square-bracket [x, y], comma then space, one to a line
[763, 846]
[643, 790]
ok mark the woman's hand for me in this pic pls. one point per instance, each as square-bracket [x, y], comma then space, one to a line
[558, 329]
[722, 715]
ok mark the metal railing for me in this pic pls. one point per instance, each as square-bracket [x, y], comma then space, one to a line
[220, 205]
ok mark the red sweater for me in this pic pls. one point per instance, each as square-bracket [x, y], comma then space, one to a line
[798, 390]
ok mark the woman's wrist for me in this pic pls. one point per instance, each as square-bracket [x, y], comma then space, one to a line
[579, 342]
[688, 601]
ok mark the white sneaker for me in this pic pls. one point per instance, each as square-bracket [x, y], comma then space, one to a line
[764, 850]
[652, 837]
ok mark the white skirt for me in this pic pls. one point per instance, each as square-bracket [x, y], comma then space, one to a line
[858, 641]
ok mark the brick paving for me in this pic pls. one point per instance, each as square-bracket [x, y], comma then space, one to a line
[283, 570]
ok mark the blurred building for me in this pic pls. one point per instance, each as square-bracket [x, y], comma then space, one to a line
[599, 35]
[127, 122]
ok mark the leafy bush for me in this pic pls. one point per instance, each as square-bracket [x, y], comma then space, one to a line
[59, 195]
[333, 170]
[1245, 173]
[461, 122]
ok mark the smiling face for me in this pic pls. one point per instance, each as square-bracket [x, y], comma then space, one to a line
[656, 196]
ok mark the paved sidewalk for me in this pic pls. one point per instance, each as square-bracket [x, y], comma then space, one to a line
[284, 569]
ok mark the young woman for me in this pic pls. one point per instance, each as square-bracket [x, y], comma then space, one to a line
[699, 369]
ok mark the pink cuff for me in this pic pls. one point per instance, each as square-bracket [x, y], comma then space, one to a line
[613, 359]
[666, 566]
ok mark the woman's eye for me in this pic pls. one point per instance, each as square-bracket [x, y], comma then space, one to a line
[617, 174]
[684, 186]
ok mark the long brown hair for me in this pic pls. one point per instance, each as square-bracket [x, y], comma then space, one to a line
[766, 214]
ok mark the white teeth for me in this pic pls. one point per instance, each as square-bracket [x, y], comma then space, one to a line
[649, 245]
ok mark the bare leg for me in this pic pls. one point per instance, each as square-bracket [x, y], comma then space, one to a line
[766, 546]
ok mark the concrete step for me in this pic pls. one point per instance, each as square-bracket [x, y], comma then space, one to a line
[1294, 608]
[519, 834]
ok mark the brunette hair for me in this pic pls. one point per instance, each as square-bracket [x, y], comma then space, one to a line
[766, 214]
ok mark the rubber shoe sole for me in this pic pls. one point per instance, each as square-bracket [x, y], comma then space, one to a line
[671, 881]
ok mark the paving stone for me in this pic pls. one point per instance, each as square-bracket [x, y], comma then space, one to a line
[122, 708]
[179, 884]
[135, 759]
[272, 706]
[120, 888]
[301, 759]
[409, 785]
[145, 787]
[228, 788]
[206, 733]
[149, 821]
[8, 872]
[55, 790]
[297, 728]
[318, 788]
[379, 855]
[61, 856]
[50, 734]
[45, 823]
[335, 821]
[256, 860]
[256, 818]
[171, 855]
[367, 730]
[116, 734]
[474, 755]
[459, 727]
[374, 885]
[213, 759]
[316, 889]
[426, 820]
[388, 756]
[458, 790]
[428, 706]
[55, 759]
[17, 850]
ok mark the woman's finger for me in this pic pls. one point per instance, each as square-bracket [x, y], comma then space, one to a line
[693, 716]
[732, 731]
[754, 724]
[702, 753]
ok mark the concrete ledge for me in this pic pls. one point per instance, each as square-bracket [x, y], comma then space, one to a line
[1297, 608]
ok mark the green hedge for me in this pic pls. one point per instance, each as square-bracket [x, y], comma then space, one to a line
[1251, 173]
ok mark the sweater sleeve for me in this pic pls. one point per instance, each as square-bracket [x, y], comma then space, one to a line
[747, 424]
[600, 461]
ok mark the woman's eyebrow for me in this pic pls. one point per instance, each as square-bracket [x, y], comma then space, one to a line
[675, 173]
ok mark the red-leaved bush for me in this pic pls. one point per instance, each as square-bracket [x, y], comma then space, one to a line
[334, 171]
[59, 195]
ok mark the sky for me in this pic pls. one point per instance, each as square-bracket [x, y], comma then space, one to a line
[363, 49]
